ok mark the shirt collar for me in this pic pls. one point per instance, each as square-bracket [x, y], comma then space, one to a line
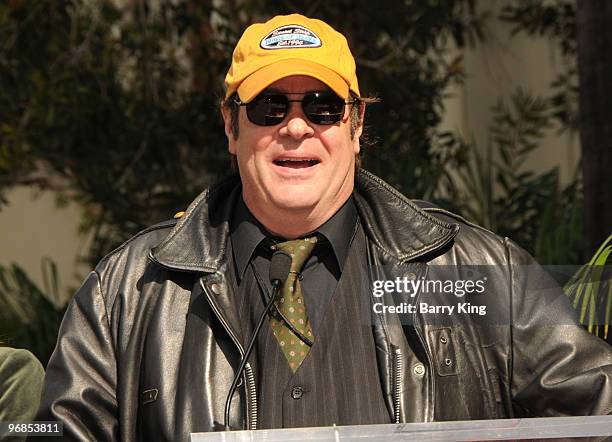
[340, 229]
[246, 233]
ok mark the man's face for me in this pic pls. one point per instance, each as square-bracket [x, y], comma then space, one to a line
[295, 166]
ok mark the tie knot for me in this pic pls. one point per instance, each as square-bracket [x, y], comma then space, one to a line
[299, 250]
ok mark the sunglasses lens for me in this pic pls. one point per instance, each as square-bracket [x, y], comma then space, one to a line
[323, 108]
[267, 110]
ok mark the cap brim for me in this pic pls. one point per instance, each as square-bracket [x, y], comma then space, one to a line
[264, 77]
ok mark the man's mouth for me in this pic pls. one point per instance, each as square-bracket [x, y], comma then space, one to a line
[296, 163]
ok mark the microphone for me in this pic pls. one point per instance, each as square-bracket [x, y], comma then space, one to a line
[280, 265]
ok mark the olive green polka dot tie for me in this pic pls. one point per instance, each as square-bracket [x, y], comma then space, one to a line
[291, 304]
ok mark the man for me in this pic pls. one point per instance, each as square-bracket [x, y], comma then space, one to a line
[152, 340]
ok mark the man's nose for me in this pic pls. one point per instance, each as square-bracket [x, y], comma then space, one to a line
[296, 125]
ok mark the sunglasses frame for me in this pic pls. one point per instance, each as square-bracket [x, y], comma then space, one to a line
[305, 96]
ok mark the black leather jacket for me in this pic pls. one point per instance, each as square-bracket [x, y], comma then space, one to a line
[149, 344]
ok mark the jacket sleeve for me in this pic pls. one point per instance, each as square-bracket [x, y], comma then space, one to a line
[81, 378]
[21, 376]
[558, 369]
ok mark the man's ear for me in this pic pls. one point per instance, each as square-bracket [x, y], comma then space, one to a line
[227, 126]
[359, 128]
[362, 107]
[227, 121]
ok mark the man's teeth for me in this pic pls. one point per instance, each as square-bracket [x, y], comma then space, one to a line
[296, 161]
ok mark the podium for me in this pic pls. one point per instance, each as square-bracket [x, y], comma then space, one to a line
[565, 428]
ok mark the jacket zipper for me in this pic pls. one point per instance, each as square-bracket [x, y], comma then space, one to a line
[251, 402]
[397, 380]
[250, 381]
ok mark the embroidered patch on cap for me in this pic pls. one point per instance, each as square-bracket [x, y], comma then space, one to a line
[290, 36]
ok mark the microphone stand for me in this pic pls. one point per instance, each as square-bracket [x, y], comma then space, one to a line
[278, 274]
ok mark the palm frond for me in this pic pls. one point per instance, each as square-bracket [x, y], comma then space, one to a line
[590, 290]
[29, 319]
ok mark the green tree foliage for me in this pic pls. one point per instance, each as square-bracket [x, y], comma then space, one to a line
[555, 19]
[95, 104]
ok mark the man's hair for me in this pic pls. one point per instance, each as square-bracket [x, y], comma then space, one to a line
[231, 103]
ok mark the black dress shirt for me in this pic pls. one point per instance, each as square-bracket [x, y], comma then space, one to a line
[321, 271]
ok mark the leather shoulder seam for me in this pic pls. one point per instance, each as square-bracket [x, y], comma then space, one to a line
[460, 219]
[159, 226]
[204, 196]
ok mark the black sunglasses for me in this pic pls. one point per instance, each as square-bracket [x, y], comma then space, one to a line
[269, 109]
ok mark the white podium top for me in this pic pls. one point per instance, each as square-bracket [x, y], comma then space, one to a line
[501, 429]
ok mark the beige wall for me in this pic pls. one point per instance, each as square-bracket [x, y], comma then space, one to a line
[33, 227]
[497, 68]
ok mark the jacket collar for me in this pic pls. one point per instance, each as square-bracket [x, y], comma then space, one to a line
[397, 226]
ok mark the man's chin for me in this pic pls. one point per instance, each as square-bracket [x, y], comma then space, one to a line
[297, 203]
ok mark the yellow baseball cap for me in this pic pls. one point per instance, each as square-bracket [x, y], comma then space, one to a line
[290, 45]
